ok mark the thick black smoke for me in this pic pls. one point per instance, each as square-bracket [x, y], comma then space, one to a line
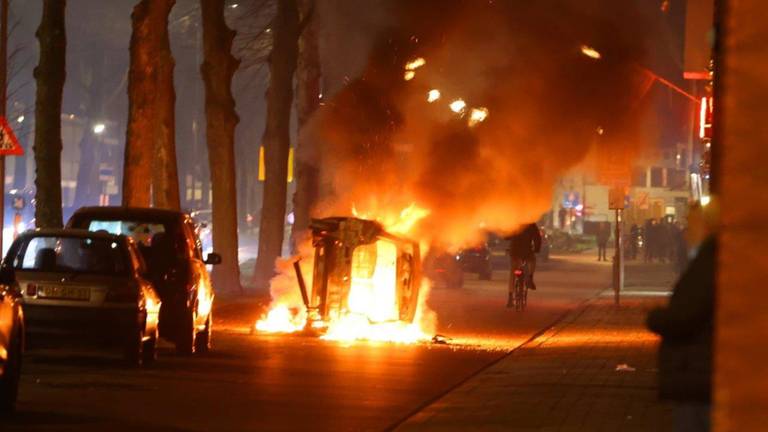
[384, 146]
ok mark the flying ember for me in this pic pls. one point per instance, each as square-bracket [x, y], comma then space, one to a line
[409, 75]
[433, 95]
[415, 64]
[477, 115]
[590, 52]
[458, 105]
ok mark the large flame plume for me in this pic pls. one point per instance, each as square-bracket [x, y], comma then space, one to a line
[514, 95]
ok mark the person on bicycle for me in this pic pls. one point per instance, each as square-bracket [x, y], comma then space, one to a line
[523, 247]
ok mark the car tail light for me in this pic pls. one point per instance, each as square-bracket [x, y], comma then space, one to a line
[31, 290]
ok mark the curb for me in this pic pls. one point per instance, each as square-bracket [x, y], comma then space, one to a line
[549, 331]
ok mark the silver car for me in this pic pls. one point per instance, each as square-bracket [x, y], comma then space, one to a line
[79, 286]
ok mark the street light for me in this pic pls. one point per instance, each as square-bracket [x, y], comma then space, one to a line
[98, 128]
[20, 119]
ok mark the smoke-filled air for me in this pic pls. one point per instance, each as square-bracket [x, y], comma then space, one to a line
[468, 116]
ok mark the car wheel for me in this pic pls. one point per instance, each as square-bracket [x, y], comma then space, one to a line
[9, 381]
[185, 344]
[149, 350]
[203, 339]
[134, 348]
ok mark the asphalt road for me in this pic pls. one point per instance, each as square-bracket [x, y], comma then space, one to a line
[270, 382]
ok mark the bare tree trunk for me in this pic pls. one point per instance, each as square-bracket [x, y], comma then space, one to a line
[145, 98]
[308, 98]
[50, 75]
[87, 170]
[282, 65]
[218, 68]
[165, 179]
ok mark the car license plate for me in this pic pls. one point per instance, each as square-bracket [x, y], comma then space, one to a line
[64, 293]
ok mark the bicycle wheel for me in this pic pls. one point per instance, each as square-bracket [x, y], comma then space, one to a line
[519, 293]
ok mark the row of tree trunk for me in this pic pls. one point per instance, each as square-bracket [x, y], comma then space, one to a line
[150, 175]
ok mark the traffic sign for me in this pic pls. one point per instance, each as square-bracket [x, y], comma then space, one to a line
[9, 145]
[616, 199]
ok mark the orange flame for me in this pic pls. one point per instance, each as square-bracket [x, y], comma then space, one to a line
[372, 311]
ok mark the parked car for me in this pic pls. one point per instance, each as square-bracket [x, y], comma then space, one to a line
[477, 260]
[11, 339]
[444, 269]
[79, 286]
[174, 257]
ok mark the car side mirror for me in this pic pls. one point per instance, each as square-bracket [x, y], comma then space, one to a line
[213, 259]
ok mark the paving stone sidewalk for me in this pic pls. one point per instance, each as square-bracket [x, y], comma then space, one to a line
[594, 371]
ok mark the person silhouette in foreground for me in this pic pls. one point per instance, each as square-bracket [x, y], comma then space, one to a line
[686, 327]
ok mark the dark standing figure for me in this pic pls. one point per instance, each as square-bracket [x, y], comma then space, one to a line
[603, 234]
[664, 240]
[686, 327]
[561, 217]
[650, 239]
[681, 249]
[685, 354]
[634, 237]
[523, 247]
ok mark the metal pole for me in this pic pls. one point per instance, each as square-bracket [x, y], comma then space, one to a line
[3, 97]
[618, 259]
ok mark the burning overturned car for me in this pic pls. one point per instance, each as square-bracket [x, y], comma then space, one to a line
[365, 282]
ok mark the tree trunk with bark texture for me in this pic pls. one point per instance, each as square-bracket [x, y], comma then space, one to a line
[50, 75]
[282, 64]
[165, 175]
[147, 102]
[308, 88]
[218, 68]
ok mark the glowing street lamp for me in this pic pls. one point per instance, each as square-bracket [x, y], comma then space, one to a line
[99, 128]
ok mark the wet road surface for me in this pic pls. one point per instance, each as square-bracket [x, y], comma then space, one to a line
[271, 382]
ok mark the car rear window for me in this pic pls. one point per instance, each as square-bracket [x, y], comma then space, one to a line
[72, 254]
[141, 232]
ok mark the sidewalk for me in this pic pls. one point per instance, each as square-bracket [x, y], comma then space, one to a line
[594, 371]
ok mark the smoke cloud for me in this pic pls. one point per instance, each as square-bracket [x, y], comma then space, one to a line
[383, 146]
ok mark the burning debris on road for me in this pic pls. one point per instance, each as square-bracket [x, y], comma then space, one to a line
[365, 284]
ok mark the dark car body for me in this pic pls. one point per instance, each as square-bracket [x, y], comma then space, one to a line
[11, 340]
[85, 287]
[477, 260]
[444, 268]
[173, 252]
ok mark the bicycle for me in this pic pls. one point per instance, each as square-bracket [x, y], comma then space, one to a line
[519, 293]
